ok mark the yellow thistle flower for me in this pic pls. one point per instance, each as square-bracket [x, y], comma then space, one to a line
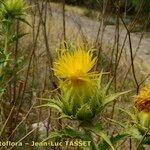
[74, 68]
[142, 104]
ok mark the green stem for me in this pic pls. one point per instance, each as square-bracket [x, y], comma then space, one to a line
[6, 44]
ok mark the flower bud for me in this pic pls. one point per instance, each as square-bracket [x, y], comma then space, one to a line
[144, 118]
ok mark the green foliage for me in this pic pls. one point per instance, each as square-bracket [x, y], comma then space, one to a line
[3, 57]
[84, 108]
[84, 113]
[113, 139]
[68, 133]
[145, 6]
[12, 12]
[97, 129]
[11, 9]
[136, 131]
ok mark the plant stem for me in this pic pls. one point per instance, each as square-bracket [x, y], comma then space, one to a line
[140, 143]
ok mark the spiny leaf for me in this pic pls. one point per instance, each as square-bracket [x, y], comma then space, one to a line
[106, 138]
[96, 105]
[66, 98]
[114, 139]
[133, 117]
[97, 130]
[67, 133]
[66, 108]
[52, 104]
[112, 97]
[106, 88]
[99, 80]
[66, 116]
[84, 113]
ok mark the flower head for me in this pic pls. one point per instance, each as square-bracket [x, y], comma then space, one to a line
[82, 97]
[142, 105]
[75, 70]
[74, 65]
[142, 102]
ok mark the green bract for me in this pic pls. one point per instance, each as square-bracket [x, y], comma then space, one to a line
[11, 9]
[83, 108]
[144, 118]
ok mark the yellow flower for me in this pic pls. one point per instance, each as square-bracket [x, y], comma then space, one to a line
[75, 70]
[142, 104]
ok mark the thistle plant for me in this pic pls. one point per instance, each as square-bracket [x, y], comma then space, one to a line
[12, 13]
[82, 96]
[77, 83]
[3, 63]
[142, 104]
[139, 127]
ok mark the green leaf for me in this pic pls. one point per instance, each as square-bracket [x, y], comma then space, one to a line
[66, 108]
[106, 138]
[68, 133]
[98, 130]
[112, 97]
[66, 98]
[114, 139]
[116, 122]
[133, 117]
[3, 56]
[16, 37]
[95, 105]
[52, 104]
[84, 113]
[1, 92]
[147, 140]
[99, 80]
[24, 21]
[106, 88]
[66, 116]
[133, 132]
